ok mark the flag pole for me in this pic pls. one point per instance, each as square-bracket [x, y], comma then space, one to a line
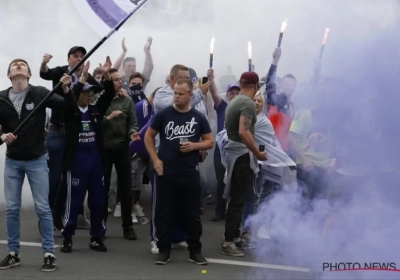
[47, 97]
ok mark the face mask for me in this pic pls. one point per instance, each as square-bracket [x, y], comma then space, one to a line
[136, 89]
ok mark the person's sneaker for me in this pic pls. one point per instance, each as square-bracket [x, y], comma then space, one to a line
[138, 210]
[134, 219]
[109, 211]
[117, 212]
[244, 245]
[246, 237]
[50, 263]
[97, 245]
[66, 246]
[231, 250]
[11, 260]
[197, 258]
[153, 248]
[218, 217]
[82, 223]
[163, 259]
[180, 246]
[130, 234]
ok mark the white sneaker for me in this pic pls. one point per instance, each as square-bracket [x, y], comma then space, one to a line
[117, 212]
[134, 219]
[263, 233]
[180, 246]
[153, 248]
[109, 211]
[138, 210]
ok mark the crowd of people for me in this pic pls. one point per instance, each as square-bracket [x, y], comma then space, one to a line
[264, 144]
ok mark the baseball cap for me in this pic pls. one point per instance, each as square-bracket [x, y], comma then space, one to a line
[87, 87]
[250, 78]
[193, 75]
[77, 48]
[232, 86]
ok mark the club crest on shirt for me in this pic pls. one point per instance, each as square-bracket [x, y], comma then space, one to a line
[75, 182]
[173, 131]
[29, 106]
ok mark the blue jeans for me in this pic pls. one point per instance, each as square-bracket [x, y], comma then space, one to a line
[38, 177]
[55, 145]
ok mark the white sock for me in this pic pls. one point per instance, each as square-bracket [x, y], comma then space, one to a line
[49, 254]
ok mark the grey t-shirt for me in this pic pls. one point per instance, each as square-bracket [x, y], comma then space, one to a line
[241, 105]
[17, 98]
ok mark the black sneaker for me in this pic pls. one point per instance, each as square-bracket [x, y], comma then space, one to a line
[130, 234]
[66, 246]
[163, 259]
[197, 258]
[50, 263]
[11, 260]
[244, 245]
[97, 245]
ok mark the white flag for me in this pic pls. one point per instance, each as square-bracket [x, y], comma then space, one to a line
[103, 15]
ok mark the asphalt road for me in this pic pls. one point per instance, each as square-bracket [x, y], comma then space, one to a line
[133, 260]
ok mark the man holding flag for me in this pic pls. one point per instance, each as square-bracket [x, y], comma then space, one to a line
[55, 142]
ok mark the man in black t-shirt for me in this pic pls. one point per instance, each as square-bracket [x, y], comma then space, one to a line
[177, 168]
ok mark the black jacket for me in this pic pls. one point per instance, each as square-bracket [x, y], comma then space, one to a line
[54, 75]
[73, 118]
[30, 143]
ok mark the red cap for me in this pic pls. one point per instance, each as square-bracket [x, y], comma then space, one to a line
[249, 78]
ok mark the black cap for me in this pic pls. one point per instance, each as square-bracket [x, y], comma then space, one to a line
[77, 48]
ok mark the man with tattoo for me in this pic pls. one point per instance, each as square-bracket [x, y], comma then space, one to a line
[241, 155]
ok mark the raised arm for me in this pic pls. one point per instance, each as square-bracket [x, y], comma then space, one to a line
[270, 87]
[108, 95]
[213, 89]
[53, 74]
[148, 61]
[120, 59]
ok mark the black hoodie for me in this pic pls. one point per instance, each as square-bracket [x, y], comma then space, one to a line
[30, 143]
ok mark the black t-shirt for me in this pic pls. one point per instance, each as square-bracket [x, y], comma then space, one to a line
[172, 127]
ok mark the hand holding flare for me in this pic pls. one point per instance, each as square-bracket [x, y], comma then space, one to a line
[212, 52]
[249, 50]
[283, 28]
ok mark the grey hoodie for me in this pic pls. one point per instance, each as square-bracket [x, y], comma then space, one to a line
[165, 97]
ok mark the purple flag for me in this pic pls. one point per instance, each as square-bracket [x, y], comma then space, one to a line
[103, 15]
